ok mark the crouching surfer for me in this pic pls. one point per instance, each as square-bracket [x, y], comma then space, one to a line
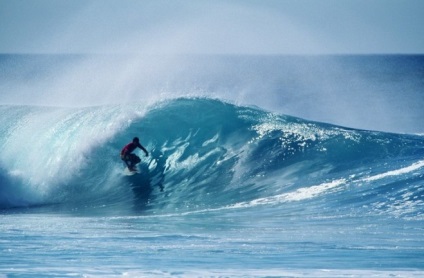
[128, 157]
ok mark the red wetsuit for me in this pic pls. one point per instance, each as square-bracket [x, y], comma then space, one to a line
[129, 148]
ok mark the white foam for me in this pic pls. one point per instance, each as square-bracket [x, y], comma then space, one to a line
[297, 195]
[413, 167]
[250, 272]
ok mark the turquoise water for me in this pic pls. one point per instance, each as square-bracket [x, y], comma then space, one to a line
[228, 190]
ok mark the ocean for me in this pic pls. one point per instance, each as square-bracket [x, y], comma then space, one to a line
[258, 166]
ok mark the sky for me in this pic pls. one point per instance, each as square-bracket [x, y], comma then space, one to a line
[212, 26]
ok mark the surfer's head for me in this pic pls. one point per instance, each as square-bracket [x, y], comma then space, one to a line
[136, 140]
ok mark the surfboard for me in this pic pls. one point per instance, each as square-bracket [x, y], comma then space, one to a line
[127, 172]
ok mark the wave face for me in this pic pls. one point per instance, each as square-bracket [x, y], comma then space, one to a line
[205, 154]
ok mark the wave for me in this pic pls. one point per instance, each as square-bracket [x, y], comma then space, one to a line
[205, 154]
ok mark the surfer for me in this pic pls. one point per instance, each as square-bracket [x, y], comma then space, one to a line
[128, 157]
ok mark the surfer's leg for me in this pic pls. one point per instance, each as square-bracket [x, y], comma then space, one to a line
[132, 162]
[136, 160]
[127, 161]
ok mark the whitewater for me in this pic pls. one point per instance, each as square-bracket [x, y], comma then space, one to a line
[229, 189]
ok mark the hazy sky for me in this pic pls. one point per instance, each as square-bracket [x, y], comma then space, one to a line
[215, 26]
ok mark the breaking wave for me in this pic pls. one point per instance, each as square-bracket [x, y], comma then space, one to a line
[205, 154]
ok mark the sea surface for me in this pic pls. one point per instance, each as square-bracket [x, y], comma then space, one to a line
[258, 166]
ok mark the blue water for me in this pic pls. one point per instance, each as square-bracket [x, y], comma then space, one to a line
[231, 187]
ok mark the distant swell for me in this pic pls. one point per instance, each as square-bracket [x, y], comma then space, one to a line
[204, 155]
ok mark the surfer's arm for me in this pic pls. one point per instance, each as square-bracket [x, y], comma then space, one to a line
[144, 150]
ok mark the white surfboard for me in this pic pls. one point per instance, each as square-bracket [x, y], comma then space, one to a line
[127, 172]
